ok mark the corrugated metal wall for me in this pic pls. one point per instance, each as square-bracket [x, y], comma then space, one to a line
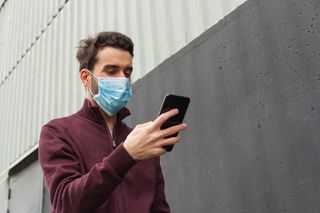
[38, 70]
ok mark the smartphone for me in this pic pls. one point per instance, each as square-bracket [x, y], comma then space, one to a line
[171, 101]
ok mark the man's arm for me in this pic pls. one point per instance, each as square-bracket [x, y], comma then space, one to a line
[70, 189]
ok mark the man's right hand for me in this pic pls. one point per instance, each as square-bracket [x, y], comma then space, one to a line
[147, 140]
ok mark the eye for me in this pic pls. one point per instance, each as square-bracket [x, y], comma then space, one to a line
[111, 70]
[128, 72]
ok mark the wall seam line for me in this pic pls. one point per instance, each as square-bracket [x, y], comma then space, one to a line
[42, 31]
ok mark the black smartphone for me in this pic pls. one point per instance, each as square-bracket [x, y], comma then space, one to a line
[171, 101]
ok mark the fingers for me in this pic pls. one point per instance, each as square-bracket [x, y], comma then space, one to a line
[174, 129]
[169, 141]
[164, 117]
[160, 151]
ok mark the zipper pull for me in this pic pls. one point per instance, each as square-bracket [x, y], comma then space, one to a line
[113, 141]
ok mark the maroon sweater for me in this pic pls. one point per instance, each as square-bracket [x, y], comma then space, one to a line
[85, 173]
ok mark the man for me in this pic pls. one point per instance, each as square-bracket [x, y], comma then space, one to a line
[91, 160]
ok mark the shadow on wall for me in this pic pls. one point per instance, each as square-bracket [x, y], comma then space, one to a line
[253, 139]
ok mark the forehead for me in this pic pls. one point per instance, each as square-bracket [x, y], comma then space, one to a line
[114, 56]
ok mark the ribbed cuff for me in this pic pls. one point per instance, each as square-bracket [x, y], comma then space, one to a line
[121, 161]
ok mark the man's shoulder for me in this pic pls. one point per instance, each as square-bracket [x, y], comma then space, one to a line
[58, 128]
[62, 122]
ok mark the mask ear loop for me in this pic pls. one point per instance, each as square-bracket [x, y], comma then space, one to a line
[90, 91]
[88, 87]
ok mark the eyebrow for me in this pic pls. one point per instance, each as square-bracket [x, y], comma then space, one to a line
[114, 66]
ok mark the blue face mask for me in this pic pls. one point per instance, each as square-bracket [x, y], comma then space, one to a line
[113, 93]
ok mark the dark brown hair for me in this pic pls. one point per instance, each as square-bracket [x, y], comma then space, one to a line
[88, 48]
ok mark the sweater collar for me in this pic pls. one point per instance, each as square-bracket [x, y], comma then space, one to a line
[93, 113]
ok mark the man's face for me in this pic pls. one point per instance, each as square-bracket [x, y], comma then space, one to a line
[111, 62]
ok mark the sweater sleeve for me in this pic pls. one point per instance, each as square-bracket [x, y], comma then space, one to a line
[160, 204]
[71, 190]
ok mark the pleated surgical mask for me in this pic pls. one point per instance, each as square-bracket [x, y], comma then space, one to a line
[113, 93]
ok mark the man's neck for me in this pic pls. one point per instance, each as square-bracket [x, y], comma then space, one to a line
[110, 121]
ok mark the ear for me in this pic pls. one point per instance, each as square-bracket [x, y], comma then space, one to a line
[84, 76]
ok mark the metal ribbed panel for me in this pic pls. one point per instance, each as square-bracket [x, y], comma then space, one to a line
[38, 70]
[23, 25]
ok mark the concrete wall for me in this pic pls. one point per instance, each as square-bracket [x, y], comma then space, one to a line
[254, 119]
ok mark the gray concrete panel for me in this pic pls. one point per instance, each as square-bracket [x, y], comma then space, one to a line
[26, 190]
[4, 187]
[253, 139]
